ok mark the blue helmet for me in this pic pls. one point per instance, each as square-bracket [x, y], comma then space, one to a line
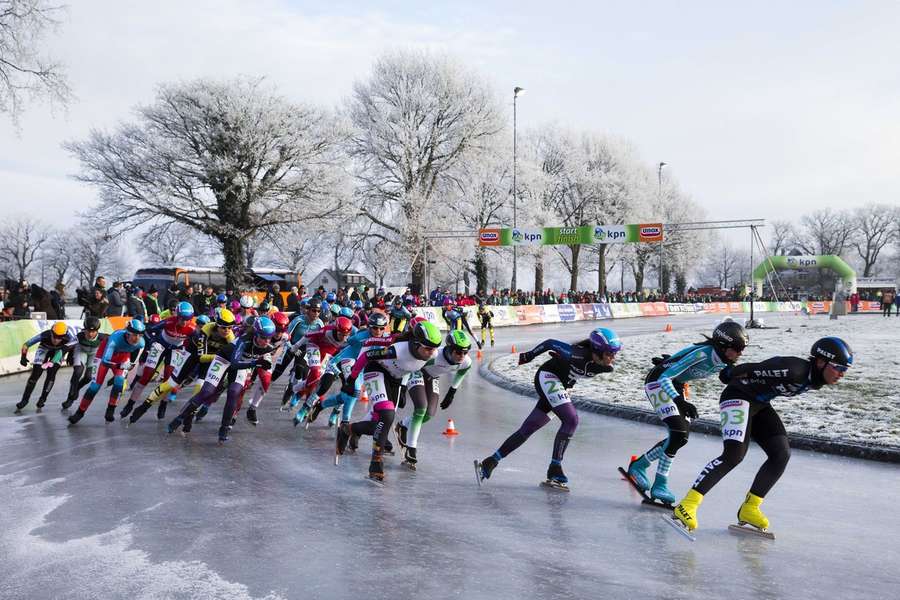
[605, 340]
[330, 297]
[347, 312]
[304, 302]
[184, 310]
[357, 304]
[135, 326]
[833, 350]
[221, 298]
[264, 327]
[325, 307]
[335, 309]
[203, 320]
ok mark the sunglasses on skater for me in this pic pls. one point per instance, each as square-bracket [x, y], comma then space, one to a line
[838, 368]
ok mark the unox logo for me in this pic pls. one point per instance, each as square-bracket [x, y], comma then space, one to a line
[651, 231]
[489, 236]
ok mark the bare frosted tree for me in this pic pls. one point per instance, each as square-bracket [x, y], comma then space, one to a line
[94, 249]
[379, 257]
[294, 248]
[417, 118]
[24, 70]
[170, 244]
[721, 265]
[784, 238]
[21, 241]
[825, 231]
[229, 160]
[873, 227]
[57, 256]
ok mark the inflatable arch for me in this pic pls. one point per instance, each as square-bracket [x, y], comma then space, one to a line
[846, 283]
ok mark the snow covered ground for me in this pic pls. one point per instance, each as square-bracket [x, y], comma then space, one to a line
[864, 407]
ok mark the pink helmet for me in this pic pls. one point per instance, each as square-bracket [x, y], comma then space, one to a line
[235, 306]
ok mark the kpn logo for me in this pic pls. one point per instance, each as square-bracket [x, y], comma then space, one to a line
[519, 236]
[608, 234]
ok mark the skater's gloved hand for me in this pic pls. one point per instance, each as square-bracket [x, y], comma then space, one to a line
[686, 408]
[263, 363]
[23, 361]
[525, 357]
[448, 399]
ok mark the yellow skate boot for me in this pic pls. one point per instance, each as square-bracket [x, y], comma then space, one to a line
[686, 511]
[750, 514]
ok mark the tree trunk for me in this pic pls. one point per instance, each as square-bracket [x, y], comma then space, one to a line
[466, 281]
[539, 270]
[234, 252]
[481, 270]
[680, 282]
[601, 270]
[573, 274]
[637, 269]
[418, 275]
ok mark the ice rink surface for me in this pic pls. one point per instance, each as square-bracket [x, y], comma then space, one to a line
[104, 511]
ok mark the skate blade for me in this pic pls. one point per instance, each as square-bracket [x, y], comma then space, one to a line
[555, 486]
[633, 483]
[477, 473]
[751, 530]
[337, 459]
[409, 465]
[677, 526]
[657, 504]
[375, 482]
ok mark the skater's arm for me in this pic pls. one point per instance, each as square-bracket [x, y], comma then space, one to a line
[667, 377]
[561, 349]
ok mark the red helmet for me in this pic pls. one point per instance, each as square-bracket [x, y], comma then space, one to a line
[416, 320]
[448, 302]
[343, 325]
[281, 321]
[154, 318]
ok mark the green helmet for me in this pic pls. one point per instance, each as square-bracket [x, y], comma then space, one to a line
[427, 334]
[458, 340]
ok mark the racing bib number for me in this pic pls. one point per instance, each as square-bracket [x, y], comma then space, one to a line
[662, 404]
[313, 357]
[217, 369]
[553, 389]
[415, 380]
[734, 415]
[241, 376]
[40, 356]
[375, 387]
[154, 355]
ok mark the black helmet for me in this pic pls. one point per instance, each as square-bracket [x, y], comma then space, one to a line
[833, 350]
[377, 319]
[729, 334]
[92, 323]
[314, 304]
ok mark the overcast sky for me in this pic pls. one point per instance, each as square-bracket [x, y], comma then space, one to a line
[761, 110]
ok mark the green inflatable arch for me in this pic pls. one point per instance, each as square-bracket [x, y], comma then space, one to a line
[781, 263]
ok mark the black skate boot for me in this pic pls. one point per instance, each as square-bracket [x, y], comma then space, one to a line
[388, 448]
[126, 410]
[161, 409]
[409, 458]
[486, 467]
[110, 415]
[67, 403]
[376, 469]
[556, 478]
[343, 436]
[39, 407]
[223, 434]
[314, 412]
[251, 416]
[400, 430]
[188, 421]
[20, 405]
[139, 411]
[76, 416]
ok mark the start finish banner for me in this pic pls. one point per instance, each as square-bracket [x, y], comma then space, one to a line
[570, 236]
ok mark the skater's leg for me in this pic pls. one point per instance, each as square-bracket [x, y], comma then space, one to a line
[49, 380]
[769, 433]
[420, 406]
[732, 455]
[534, 421]
[568, 418]
[33, 377]
[74, 382]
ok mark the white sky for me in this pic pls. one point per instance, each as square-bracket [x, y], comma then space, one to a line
[769, 110]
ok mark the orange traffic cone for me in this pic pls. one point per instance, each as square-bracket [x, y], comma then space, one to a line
[513, 351]
[633, 458]
[451, 428]
[479, 355]
[363, 397]
[668, 328]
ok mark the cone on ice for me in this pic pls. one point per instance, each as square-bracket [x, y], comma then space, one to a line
[668, 328]
[363, 396]
[451, 428]
[513, 351]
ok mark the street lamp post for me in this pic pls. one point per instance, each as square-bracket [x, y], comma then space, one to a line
[513, 284]
[661, 243]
